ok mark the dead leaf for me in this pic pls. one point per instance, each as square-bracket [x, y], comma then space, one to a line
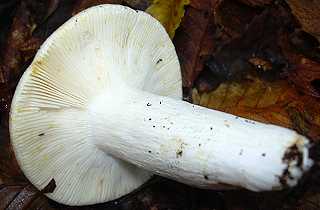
[256, 3]
[270, 102]
[306, 76]
[256, 52]
[84, 4]
[234, 17]
[9, 169]
[52, 6]
[307, 12]
[138, 4]
[8, 193]
[169, 13]
[302, 44]
[23, 198]
[194, 40]
[21, 29]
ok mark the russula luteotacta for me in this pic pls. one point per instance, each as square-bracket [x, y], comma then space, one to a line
[99, 110]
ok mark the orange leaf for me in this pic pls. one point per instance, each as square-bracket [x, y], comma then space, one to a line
[270, 102]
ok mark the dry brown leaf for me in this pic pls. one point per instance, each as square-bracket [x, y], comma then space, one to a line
[306, 76]
[138, 4]
[234, 17]
[307, 12]
[270, 102]
[84, 4]
[21, 29]
[194, 40]
[256, 3]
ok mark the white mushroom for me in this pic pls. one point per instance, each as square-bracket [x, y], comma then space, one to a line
[99, 110]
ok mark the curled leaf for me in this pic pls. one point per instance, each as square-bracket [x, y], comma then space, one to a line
[169, 13]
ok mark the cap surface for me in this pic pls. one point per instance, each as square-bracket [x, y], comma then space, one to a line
[102, 47]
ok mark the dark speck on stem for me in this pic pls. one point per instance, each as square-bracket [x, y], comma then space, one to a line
[199, 145]
[206, 177]
[41, 134]
[263, 154]
[163, 126]
[148, 104]
[179, 153]
[249, 121]
[211, 128]
[149, 151]
[149, 118]
[154, 126]
[241, 152]
[160, 102]
[159, 60]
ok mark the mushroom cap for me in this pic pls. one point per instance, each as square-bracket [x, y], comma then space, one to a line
[97, 50]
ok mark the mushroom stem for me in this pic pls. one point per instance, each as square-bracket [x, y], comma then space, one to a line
[196, 145]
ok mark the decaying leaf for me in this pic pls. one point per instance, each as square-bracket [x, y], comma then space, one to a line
[52, 6]
[256, 50]
[20, 196]
[169, 13]
[84, 4]
[8, 193]
[307, 12]
[306, 76]
[305, 45]
[20, 31]
[271, 102]
[138, 4]
[234, 17]
[194, 40]
[256, 3]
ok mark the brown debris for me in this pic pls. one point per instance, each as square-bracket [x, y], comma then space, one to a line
[194, 38]
[21, 30]
[51, 186]
[256, 3]
[84, 4]
[307, 12]
[234, 17]
[306, 76]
